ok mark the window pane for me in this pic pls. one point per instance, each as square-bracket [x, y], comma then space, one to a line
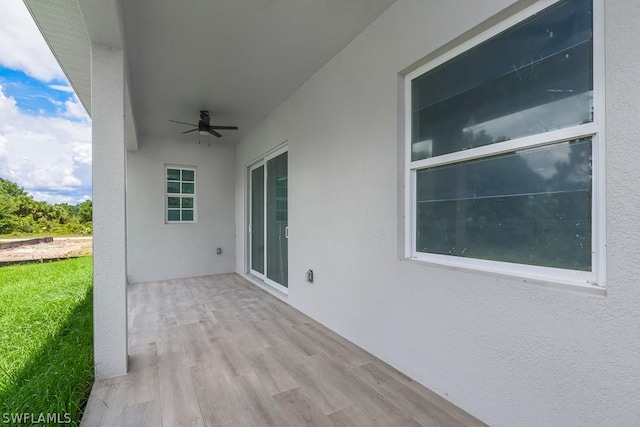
[530, 207]
[533, 78]
[276, 198]
[187, 215]
[188, 188]
[187, 202]
[173, 202]
[173, 187]
[173, 215]
[188, 175]
[173, 174]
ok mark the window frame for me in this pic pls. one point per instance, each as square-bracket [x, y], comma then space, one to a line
[594, 130]
[180, 195]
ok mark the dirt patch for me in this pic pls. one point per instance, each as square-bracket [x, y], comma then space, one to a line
[60, 248]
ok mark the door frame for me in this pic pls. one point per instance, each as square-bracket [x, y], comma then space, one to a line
[249, 228]
[262, 161]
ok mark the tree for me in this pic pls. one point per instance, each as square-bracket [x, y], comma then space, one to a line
[20, 213]
[11, 189]
[8, 208]
[85, 211]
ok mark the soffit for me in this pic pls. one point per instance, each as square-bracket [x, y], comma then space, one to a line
[70, 27]
[62, 25]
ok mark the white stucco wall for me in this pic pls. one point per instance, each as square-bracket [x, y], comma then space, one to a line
[109, 213]
[158, 251]
[510, 353]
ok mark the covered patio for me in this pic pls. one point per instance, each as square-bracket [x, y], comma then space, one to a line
[217, 350]
[330, 200]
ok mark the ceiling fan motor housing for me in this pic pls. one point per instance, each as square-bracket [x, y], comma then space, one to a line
[204, 123]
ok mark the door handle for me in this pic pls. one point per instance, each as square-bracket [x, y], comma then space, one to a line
[286, 232]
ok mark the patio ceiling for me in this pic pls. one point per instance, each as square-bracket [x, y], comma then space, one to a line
[237, 58]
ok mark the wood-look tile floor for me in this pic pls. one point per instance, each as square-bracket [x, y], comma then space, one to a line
[218, 351]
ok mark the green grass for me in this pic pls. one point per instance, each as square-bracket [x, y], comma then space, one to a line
[46, 338]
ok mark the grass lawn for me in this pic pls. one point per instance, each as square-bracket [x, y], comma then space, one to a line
[46, 338]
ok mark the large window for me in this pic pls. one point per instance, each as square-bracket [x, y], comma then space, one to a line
[180, 194]
[503, 149]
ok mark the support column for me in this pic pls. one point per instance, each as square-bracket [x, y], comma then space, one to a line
[109, 212]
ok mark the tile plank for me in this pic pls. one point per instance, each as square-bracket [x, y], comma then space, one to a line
[258, 406]
[219, 351]
[425, 411]
[216, 397]
[324, 392]
[379, 410]
[177, 395]
[300, 409]
[273, 376]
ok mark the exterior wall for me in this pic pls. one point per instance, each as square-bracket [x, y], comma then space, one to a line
[158, 251]
[509, 352]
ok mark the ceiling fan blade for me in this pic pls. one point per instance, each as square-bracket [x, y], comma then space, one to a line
[182, 123]
[225, 127]
[213, 132]
[189, 131]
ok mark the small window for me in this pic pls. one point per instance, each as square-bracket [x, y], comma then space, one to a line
[180, 194]
[502, 147]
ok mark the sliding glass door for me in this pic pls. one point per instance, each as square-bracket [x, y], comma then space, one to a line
[268, 228]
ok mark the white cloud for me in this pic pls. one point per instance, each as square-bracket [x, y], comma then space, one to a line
[48, 156]
[57, 198]
[62, 88]
[3, 145]
[21, 45]
[81, 153]
[74, 109]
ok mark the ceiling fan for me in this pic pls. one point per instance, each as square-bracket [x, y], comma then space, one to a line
[204, 126]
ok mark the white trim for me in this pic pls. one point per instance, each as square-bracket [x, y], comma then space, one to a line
[409, 215]
[251, 168]
[599, 161]
[261, 158]
[546, 274]
[532, 141]
[277, 286]
[412, 212]
[281, 149]
[580, 288]
[595, 130]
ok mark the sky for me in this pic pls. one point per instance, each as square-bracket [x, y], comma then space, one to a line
[45, 133]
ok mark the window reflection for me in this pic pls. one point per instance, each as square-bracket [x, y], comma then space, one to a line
[543, 118]
[530, 79]
[531, 207]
